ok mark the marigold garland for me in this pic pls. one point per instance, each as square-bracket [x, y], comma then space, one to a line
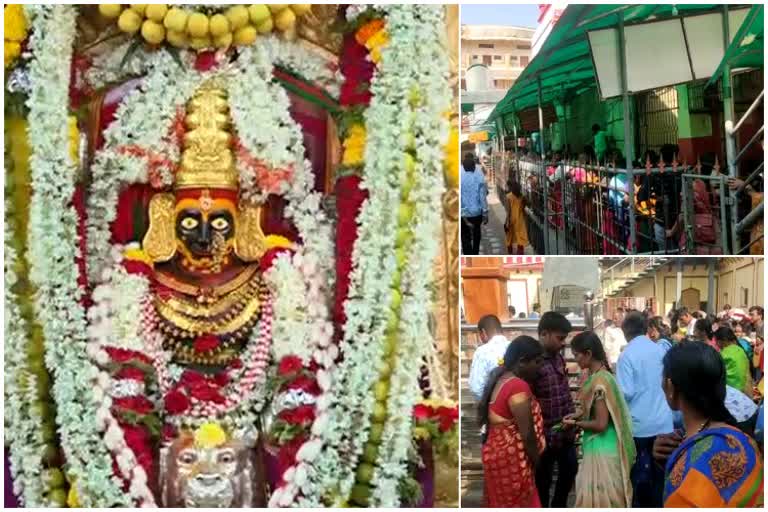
[15, 30]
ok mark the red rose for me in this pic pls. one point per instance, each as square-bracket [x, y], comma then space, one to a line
[121, 355]
[138, 267]
[137, 404]
[266, 261]
[207, 393]
[422, 412]
[448, 417]
[128, 201]
[191, 378]
[236, 364]
[130, 372]
[298, 416]
[354, 94]
[304, 383]
[221, 379]
[205, 61]
[289, 365]
[206, 343]
[169, 431]
[176, 402]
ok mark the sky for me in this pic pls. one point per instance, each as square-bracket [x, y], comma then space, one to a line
[516, 15]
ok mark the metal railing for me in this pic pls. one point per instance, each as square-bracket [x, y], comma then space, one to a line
[577, 208]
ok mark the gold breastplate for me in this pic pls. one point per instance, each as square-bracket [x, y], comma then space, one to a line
[228, 311]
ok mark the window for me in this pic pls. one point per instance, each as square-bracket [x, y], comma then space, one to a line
[513, 60]
[485, 45]
[523, 61]
[524, 47]
[497, 57]
[487, 60]
[475, 58]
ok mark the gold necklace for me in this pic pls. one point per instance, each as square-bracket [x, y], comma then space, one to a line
[206, 291]
[192, 327]
[234, 302]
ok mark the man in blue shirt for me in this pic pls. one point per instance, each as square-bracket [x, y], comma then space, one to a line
[639, 374]
[474, 205]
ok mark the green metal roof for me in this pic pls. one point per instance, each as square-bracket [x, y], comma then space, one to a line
[746, 49]
[564, 63]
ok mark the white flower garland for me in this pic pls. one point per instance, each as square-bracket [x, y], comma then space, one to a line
[24, 433]
[412, 30]
[421, 30]
[53, 246]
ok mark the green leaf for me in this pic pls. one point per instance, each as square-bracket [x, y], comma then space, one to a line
[134, 46]
[176, 54]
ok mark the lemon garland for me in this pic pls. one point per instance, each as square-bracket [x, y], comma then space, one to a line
[238, 25]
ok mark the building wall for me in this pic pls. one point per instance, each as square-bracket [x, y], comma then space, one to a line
[738, 282]
[505, 50]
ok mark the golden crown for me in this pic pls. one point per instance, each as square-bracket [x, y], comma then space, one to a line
[207, 160]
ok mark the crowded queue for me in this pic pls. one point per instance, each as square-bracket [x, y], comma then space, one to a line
[675, 421]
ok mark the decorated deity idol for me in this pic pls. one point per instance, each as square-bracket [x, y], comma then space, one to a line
[221, 229]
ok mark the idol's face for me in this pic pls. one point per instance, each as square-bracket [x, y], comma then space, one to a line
[203, 223]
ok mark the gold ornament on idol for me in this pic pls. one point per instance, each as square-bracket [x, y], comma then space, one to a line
[207, 162]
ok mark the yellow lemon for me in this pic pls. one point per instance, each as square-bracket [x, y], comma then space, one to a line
[176, 19]
[360, 494]
[238, 16]
[401, 257]
[223, 41]
[285, 20]
[275, 8]
[152, 32]
[404, 214]
[374, 437]
[245, 36]
[110, 11]
[219, 25]
[403, 237]
[301, 9]
[397, 300]
[258, 13]
[364, 473]
[177, 39]
[139, 9]
[266, 26]
[370, 452]
[156, 12]
[53, 477]
[381, 390]
[200, 43]
[379, 412]
[197, 25]
[129, 21]
[58, 497]
[385, 369]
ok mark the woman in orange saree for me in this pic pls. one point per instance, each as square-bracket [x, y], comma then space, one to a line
[515, 428]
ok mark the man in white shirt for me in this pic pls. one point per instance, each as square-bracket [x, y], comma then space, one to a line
[487, 355]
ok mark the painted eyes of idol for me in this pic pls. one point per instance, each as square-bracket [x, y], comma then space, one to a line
[219, 223]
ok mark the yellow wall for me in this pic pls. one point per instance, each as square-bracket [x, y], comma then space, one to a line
[734, 277]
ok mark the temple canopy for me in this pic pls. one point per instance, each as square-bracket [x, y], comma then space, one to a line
[564, 66]
[746, 49]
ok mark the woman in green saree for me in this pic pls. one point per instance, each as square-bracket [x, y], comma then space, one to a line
[608, 447]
